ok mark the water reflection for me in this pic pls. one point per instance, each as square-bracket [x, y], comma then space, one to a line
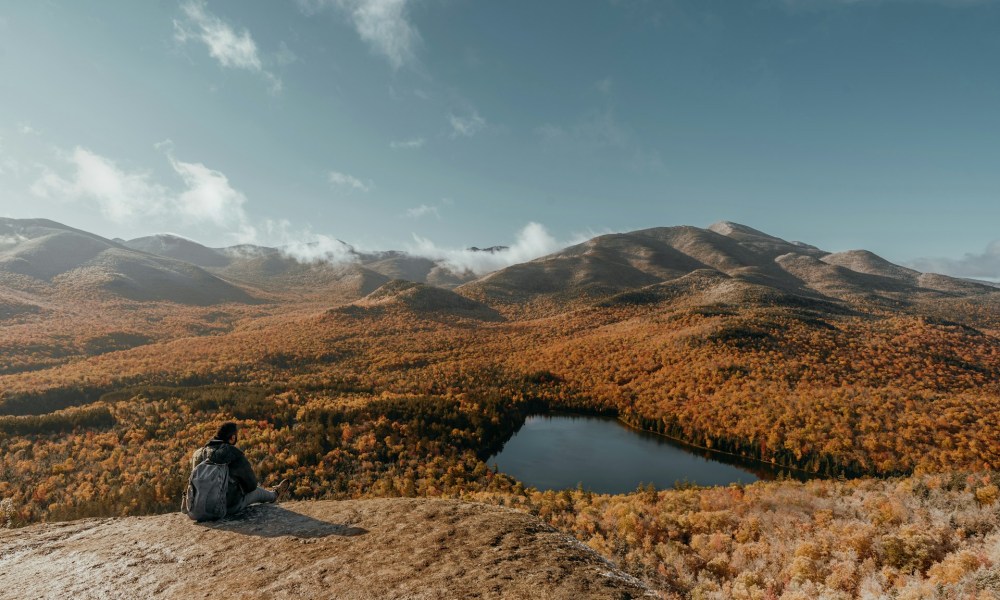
[554, 452]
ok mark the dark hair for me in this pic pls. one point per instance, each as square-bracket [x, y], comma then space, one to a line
[226, 431]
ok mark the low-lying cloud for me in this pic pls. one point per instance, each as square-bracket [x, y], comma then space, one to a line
[985, 265]
[531, 242]
[11, 239]
[322, 248]
[304, 246]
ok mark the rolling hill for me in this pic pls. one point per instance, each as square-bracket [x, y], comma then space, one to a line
[732, 262]
[732, 255]
[427, 301]
[49, 257]
[277, 269]
[179, 248]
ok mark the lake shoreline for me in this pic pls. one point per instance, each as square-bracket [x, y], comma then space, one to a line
[563, 450]
[773, 465]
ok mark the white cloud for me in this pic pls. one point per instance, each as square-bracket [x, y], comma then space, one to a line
[466, 126]
[231, 48]
[208, 196]
[422, 211]
[205, 198]
[605, 85]
[985, 265]
[120, 195]
[322, 249]
[26, 129]
[531, 242]
[343, 179]
[411, 144]
[382, 24]
[319, 248]
[124, 196]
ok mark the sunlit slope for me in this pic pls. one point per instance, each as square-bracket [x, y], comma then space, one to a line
[614, 263]
[47, 258]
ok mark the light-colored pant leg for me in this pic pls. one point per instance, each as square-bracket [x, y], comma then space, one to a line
[256, 496]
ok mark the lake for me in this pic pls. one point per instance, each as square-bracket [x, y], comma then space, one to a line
[555, 452]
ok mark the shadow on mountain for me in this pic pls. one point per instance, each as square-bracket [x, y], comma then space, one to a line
[426, 301]
[270, 521]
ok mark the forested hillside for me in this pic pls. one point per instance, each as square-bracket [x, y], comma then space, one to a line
[887, 392]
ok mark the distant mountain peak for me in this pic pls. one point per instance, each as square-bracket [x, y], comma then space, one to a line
[179, 248]
[602, 267]
[730, 228]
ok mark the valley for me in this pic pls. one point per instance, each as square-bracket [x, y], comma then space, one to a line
[398, 376]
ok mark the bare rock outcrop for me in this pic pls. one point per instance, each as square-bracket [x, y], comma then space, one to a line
[387, 548]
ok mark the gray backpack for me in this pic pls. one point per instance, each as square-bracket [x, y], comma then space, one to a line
[205, 499]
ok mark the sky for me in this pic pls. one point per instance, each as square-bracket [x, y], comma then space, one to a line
[434, 125]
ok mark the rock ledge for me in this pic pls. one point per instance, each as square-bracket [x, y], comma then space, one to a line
[387, 548]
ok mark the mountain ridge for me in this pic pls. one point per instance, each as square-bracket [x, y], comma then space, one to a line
[592, 271]
[612, 264]
[49, 255]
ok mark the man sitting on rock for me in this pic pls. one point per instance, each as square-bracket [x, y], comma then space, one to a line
[243, 489]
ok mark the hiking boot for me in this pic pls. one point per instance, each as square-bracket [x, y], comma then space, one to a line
[282, 490]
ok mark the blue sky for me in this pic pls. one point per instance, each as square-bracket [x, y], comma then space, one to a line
[438, 124]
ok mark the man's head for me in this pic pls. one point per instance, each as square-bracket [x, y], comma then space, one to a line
[227, 432]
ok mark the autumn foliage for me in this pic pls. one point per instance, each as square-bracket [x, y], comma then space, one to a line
[101, 417]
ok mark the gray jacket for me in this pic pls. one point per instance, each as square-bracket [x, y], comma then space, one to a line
[242, 480]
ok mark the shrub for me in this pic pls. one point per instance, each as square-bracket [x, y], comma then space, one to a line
[913, 548]
[956, 566]
[987, 495]
[8, 514]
